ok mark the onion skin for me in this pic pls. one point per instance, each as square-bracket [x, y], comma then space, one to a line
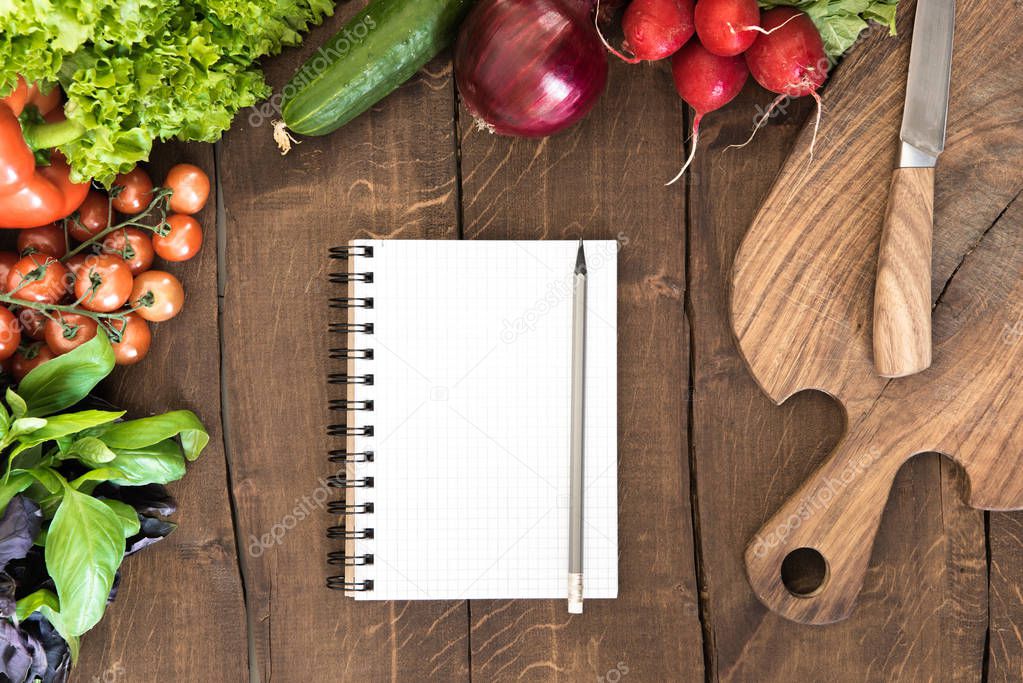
[529, 68]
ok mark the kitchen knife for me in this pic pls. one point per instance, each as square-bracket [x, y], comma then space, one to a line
[902, 294]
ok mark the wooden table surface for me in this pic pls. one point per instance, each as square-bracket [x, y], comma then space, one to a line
[705, 457]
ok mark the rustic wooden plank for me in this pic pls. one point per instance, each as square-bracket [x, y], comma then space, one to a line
[922, 610]
[604, 179]
[391, 173]
[179, 614]
[1005, 649]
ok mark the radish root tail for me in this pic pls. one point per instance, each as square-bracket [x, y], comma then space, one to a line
[817, 122]
[692, 151]
[283, 137]
[600, 34]
[761, 29]
[760, 122]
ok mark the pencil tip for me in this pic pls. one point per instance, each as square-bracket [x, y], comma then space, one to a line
[580, 260]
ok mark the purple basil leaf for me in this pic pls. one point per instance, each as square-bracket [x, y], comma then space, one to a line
[151, 499]
[18, 528]
[152, 531]
[58, 656]
[22, 657]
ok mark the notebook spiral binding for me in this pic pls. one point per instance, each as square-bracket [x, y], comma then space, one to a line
[344, 531]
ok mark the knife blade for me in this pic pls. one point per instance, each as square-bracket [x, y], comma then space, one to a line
[930, 68]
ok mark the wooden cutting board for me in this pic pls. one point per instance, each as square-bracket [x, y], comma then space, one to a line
[802, 291]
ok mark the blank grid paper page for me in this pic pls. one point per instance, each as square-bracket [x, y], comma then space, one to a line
[472, 398]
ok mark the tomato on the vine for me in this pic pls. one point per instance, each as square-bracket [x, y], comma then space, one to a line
[134, 341]
[33, 323]
[69, 331]
[39, 278]
[191, 188]
[92, 218]
[104, 284]
[10, 333]
[135, 193]
[49, 240]
[133, 245]
[182, 241]
[7, 261]
[28, 359]
[157, 295]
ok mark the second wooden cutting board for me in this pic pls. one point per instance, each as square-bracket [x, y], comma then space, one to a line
[802, 292]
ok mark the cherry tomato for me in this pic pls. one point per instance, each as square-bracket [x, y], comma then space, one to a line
[158, 295]
[40, 278]
[136, 192]
[69, 332]
[182, 241]
[133, 245]
[191, 188]
[134, 342]
[7, 261]
[27, 360]
[33, 323]
[93, 216]
[104, 283]
[10, 334]
[49, 240]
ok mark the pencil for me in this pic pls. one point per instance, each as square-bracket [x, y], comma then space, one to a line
[575, 530]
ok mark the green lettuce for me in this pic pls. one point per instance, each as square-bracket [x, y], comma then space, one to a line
[840, 22]
[136, 71]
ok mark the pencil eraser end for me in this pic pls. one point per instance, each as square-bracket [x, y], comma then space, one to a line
[575, 593]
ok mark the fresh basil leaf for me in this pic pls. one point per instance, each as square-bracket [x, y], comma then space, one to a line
[126, 513]
[15, 484]
[150, 430]
[67, 379]
[49, 478]
[57, 426]
[5, 421]
[84, 548]
[18, 407]
[24, 658]
[89, 450]
[101, 474]
[159, 463]
[25, 425]
[47, 604]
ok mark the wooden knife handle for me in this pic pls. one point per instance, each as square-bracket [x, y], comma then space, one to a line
[902, 294]
[809, 561]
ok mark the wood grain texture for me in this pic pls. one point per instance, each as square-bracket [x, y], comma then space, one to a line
[603, 179]
[179, 614]
[819, 242]
[1005, 651]
[902, 293]
[922, 613]
[391, 173]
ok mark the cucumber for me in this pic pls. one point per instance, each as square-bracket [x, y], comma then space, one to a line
[378, 50]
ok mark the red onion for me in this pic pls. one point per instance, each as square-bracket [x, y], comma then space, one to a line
[529, 67]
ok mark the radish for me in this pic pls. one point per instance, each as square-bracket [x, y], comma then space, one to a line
[706, 82]
[727, 27]
[788, 59]
[654, 29]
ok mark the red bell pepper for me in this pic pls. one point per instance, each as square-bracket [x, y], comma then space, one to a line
[34, 194]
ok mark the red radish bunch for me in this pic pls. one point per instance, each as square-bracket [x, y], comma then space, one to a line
[781, 48]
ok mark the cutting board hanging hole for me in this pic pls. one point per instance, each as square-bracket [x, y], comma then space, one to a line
[804, 572]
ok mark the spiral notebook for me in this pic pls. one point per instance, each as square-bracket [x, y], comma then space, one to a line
[454, 454]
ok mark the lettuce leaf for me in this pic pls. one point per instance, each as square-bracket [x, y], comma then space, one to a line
[840, 22]
[136, 71]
